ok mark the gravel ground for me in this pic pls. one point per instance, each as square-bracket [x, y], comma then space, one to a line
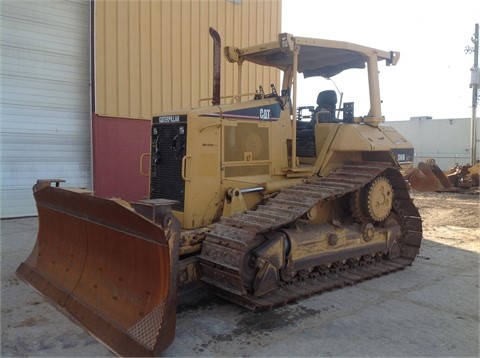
[429, 309]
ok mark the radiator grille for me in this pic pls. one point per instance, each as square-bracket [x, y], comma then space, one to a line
[168, 148]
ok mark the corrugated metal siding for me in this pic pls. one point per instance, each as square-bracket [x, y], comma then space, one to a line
[153, 56]
[45, 98]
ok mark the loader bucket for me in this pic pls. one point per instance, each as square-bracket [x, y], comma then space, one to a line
[428, 177]
[108, 268]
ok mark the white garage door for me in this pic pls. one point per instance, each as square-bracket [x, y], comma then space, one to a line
[44, 99]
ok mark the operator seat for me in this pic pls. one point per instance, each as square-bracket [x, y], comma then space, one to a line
[326, 106]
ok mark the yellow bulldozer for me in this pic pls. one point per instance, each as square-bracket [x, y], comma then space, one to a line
[253, 199]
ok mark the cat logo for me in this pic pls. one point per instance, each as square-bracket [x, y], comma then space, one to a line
[264, 113]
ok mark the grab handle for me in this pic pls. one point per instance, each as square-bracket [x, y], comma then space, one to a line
[184, 167]
[143, 173]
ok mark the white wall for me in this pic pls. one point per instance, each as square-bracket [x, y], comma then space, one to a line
[45, 98]
[448, 141]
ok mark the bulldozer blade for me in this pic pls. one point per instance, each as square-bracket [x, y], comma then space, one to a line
[428, 178]
[107, 268]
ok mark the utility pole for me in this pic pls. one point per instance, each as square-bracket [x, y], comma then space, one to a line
[474, 84]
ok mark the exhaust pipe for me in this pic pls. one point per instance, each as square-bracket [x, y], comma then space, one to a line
[216, 65]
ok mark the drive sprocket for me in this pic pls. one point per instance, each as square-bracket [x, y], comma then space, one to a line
[379, 198]
[373, 201]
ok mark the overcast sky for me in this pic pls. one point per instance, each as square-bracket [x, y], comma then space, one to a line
[432, 77]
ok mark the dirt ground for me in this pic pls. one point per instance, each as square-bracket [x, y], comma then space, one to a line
[429, 309]
[450, 218]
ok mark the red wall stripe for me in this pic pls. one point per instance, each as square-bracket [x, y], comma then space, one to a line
[118, 144]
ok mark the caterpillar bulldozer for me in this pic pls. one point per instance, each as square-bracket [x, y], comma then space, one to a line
[253, 199]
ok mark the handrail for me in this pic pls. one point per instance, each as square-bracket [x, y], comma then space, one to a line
[142, 173]
[184, 167]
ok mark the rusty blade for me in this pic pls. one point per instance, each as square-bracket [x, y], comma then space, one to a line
[106, 267]
[424, 178]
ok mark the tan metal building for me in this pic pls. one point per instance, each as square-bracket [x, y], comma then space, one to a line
[152, 56]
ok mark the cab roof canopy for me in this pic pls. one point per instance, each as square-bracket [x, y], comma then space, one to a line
[316, 57]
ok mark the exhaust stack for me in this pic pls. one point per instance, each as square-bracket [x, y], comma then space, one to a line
[216, 65]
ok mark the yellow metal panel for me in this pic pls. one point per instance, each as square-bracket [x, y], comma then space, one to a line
[154, 56]
[122, 59]
[186, 57]
[145, 60]
[156, 83]
[111, 57]
[194, 66]
[134, 59]
[176, 53]
[166, 59]
[229, 83]
[99, 65]
[204, 55]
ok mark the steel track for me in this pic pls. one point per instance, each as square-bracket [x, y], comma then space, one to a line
[230, 240]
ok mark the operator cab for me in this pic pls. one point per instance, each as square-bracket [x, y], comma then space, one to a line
[326, 111]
